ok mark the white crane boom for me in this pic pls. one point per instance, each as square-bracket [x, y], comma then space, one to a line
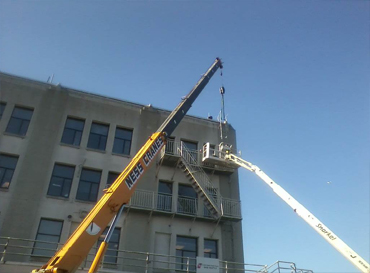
[223, 156]
[306, 215]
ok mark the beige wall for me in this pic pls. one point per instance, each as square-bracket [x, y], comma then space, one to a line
[26, 201]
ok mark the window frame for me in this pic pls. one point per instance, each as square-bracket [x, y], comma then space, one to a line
[2, 109]
[210, 254]
[46, 234]
[23, 122]
[64, 134]
[186, 201]
[101, 239]
[100, 137]
[91, 183]
[5, 168]
[115, 148]
[183, 258]
[111, 173]
[164, 199]
[64, 180]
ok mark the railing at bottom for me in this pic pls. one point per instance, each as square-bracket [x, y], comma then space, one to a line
[20, 251]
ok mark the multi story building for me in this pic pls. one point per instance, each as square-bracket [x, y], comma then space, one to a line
[60, 148]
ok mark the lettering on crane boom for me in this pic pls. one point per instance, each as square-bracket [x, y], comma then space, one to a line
[149, 155]
[323, 230]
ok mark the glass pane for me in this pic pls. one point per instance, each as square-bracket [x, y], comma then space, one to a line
[187, 191]
[90, 175]
[127, 147]
[2, 108]
[77, 138]
[94, 192]
[124, 133]
[93, 141]
[102, 143]
[165, 187]
[68, 136]
[24, 128]
[190, 145]
[7, 161]
[83, 191]
[63, 171]
[50, 227]
[55, 187]
[112, 177]
[66, 188]
[99, 129]
[22, 113]
[118, 146]
[14, 126]
[75, 124]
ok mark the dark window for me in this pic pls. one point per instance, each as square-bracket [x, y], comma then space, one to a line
[89, 185]
[49, 231]
[98, 136]
[164, 196]
[187, 200]
[19, 121]
[111, 178]
[122, 141]
[210, 248]
[2, 108]
[73, 131]
[186, 247]
[61, 180]
[7, 167]
[170, 146]
[113, 246]
[193, 151]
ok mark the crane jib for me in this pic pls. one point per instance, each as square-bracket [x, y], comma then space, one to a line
[145, 160]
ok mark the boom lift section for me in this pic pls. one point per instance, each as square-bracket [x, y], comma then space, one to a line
[77, 247]
[224, 156]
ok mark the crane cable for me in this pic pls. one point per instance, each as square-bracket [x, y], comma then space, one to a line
[222, 115]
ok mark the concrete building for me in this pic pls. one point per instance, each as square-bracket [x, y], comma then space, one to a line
[60, 148]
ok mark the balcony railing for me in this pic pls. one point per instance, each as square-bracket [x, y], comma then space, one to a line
[18, 252]
[150, 200]
[172, 149]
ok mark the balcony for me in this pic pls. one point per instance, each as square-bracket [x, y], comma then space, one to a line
[182, 206]
[170, 156]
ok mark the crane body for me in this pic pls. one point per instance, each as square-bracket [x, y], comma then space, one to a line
[77, 247]
[224, 156]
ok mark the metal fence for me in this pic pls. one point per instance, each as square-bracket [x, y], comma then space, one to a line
[163, 202]
[21, 251]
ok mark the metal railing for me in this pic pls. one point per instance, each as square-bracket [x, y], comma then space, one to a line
[150, 200]
[19, 251]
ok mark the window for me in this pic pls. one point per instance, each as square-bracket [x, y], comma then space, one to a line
[186, 247]
[113, 246]
[122, 141]
[98, 136]
[19, 121]
[170, 146]
[89, 185]
[2, 108]
[164, 201]
[210, 248]
[193, 150]
[111, 178]
[7, 167]
[73, 131]
[49, 231]
[187, 200]
[61, 180]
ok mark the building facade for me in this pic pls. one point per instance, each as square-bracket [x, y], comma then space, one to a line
[60, 148]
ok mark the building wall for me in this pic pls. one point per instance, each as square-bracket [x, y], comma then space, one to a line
[25, 202]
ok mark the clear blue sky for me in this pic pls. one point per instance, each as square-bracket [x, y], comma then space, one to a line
[297, 92]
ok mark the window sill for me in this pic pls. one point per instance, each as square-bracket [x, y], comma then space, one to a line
[96, 150]
[14, 135]
[69, 145]
[58, 197]
[122, 155]
[85, 202]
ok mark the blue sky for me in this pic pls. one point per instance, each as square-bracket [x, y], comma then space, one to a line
[297, 92]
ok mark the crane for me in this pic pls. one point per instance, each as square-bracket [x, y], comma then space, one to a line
[224, 156]
[111, 204]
